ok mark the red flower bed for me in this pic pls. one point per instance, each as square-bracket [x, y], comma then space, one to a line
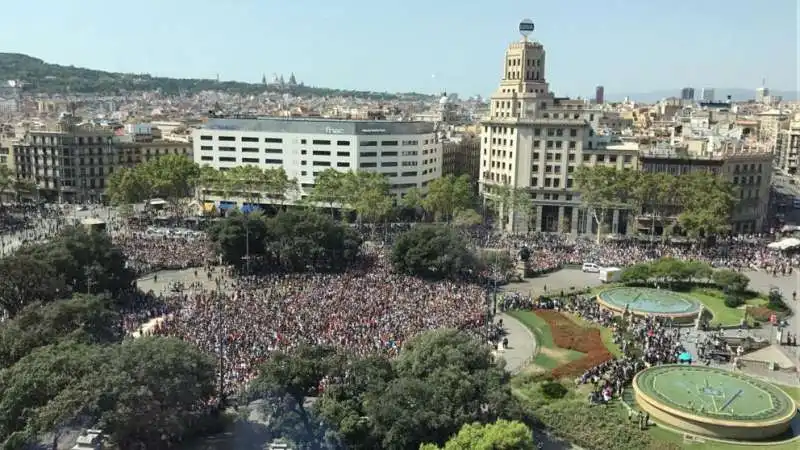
[762, 313]
[569, 335]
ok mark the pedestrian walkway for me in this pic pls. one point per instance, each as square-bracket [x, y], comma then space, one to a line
[147, 326]
[521, 344]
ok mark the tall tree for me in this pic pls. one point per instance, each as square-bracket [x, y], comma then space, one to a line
[655, 195]
[367, 193]
[603, 189]
[279, 187]
[505, 200]
[707, 201]
[127, 186]
[248, 182]
[446, 195]
[329, 189]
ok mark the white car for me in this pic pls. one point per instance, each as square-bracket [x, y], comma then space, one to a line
[590, 268]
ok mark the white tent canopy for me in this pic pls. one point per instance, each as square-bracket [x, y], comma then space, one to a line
[784, 244]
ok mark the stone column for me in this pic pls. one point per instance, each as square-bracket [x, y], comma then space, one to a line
[575, 214]
[537, 225]
[615, 222]
[560, 219]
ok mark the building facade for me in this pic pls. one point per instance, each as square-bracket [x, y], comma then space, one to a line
[687, 94]
[408, 153]
[534, 141]
[462, 157]
[599, 95]
[787, 155]
[129, 154]
[748, 169]
[67, 165]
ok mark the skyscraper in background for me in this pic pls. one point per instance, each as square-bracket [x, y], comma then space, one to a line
[599, 95]
[687, 93]
[707, 94]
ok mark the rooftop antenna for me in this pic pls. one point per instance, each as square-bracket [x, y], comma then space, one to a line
[526, 28]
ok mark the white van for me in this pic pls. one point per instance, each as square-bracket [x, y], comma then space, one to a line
[590, 267]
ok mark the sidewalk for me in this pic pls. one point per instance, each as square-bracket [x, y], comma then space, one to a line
[521, 344]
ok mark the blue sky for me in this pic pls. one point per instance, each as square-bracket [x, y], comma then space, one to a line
[629, 46]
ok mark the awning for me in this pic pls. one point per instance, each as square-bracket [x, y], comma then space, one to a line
[224, 206]
[250, 207]
[784, 244]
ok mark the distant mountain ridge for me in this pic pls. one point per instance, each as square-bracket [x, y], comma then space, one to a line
[39, 76]
[720, 94]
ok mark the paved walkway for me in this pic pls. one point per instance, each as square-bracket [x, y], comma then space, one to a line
[521, 344]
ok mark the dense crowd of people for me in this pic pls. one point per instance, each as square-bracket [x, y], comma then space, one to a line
[149, 253]
[363, 311]
[552, 251]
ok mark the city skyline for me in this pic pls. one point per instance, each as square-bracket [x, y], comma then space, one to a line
[649, 48]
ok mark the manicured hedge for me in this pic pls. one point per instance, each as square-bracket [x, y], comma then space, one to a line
[569, 335]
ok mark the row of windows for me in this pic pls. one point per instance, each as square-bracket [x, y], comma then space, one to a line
[391, 143]
[243, 160]
[244, 139]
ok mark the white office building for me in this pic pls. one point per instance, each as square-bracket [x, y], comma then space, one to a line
[408, 153]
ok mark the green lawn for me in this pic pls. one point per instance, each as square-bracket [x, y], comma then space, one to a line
[548, 356]
[715, 302]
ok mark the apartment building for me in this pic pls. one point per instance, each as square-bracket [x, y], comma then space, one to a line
[461, 155]
[142, 142]
[746, 165]
[408, 153]
[69, 165]
[787, 154]
[533, 140]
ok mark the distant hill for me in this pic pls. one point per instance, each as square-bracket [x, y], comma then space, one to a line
[720, 94]
[43, 77]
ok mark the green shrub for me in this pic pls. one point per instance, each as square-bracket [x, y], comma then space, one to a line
[733, 301]
[775, 301]
[593, 426]
[553, 390]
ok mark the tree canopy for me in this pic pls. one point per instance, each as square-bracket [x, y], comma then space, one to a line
[448, 195]
[702, 201]
[501, 435]
[433, 252]
[505, 200]
[85, 319]
[293, 240]
[147, 392]
[171, 177]
[364, 193]
[671, 271]
[73, 261]
[441, 381]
